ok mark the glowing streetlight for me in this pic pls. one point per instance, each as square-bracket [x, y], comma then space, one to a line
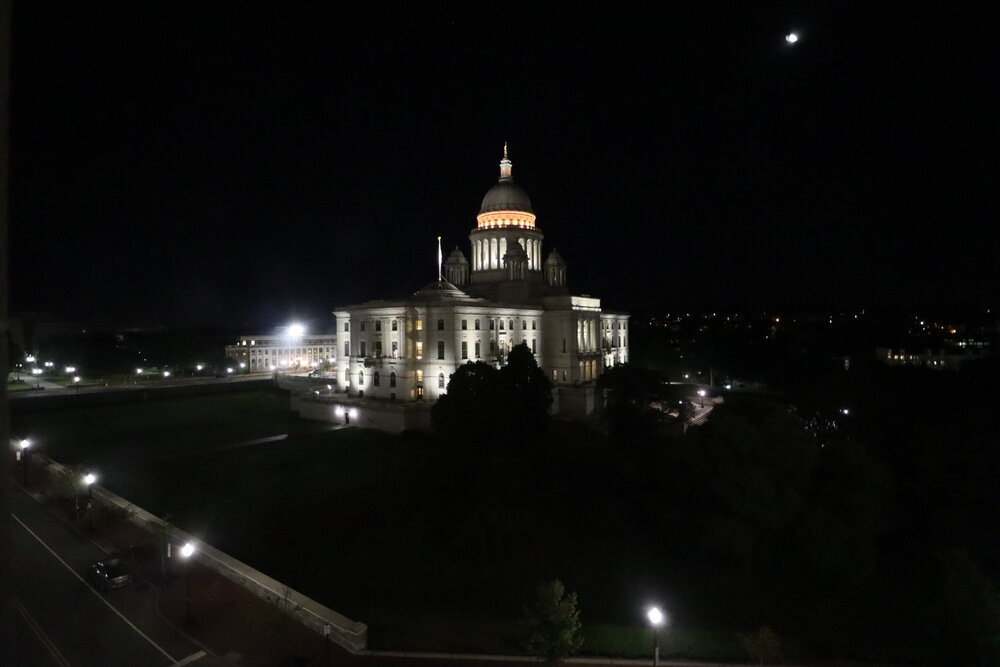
[791, 38]
[229, 370]
[701, 393]
[845, 411]
[22, 456]
[138, 371]
[186, 552]
[70, 369]
[656, 619]
[199, 367]
[30, 359]
[243, 364]
[166, 374]
[36, 371]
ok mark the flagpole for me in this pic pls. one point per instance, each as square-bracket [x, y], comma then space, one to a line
[440, 277]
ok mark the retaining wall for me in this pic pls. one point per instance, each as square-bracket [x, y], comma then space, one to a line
[352, 635]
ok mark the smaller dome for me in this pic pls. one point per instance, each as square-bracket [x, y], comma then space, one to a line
[441, 290]
[555, 258]
[456, 257]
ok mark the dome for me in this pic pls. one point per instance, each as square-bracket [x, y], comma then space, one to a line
[441, 290]
[506, 196]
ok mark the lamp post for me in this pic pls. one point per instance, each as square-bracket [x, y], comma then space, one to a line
[656, 619]
[186, 552]
[701, 393]
[88, 481]
[22, 457]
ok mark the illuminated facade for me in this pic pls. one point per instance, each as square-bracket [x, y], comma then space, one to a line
[268, 353]
[404, 351]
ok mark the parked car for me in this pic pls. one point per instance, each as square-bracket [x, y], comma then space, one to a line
[110, 573]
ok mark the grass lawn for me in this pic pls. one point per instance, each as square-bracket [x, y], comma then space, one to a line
[343, 515]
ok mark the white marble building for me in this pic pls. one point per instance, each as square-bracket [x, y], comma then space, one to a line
[403, 351]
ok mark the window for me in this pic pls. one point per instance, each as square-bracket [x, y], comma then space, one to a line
[440, 380]
[440, 349]
[363, 350]
[347, 326]
[378, 325]
[395, 350]
[510, 324]
[465, 350]
[375, 379]
[440, 325]
[392, 379]
[476, 324]
[501, 325]
[564, 344]
[420, 325]
[395, 325]
[420, 376]
[361, 378]
[555, 376]
[492, 324]
[564, 376]
[347, 349]
[493, 348]
[378, 348]
[465, 324]
[534, 324]
[477, 349]
[524, 325]
[420, 349]
[362, 325]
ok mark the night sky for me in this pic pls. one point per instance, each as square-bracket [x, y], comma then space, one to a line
[244, 164]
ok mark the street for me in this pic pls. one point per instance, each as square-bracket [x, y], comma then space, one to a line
[64, 620]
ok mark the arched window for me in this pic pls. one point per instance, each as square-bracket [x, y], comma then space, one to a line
[534, 324]
[501, 325]
[392, 379]
[477, 325]
[524, 325]
[361, 378]
[375, 379]
[492, 322]
[440, 380]
[510, 324]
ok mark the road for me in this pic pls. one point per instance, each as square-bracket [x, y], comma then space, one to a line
[63, 621]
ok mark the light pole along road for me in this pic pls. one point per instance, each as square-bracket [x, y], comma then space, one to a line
[64, 618]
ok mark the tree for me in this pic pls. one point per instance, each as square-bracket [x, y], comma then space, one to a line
[553, 622]
[506, 406]
[764, 645]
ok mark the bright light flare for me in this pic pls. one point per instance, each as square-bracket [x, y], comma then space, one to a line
[89, 478]
[791, 38]
[187, 550]
[295, 330]
[24, 444]
[655, 616]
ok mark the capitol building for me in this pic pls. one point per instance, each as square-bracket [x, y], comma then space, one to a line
[392, 358]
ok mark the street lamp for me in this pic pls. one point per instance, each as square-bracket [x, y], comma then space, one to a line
[22, 456]
[88, 481]
[656, 619]
[76, 383]
[186, 552]
[199, 367]
[701, 393]
[166, 374]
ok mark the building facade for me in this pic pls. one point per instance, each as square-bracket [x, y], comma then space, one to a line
[283, 352]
